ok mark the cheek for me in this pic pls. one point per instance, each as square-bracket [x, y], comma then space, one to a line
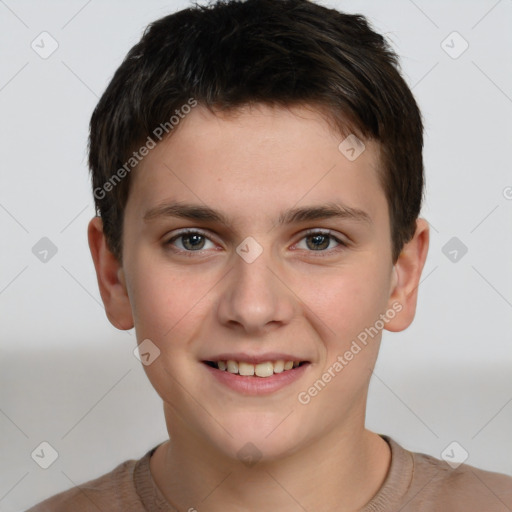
[165, 302]
[350, 304]
[167, 306]
[347, 300]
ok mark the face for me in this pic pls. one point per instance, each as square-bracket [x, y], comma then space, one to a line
[230, 254]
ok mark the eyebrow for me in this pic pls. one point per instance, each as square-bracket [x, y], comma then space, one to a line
[294, 215]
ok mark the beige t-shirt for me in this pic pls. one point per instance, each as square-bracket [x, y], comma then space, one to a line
[415, 483]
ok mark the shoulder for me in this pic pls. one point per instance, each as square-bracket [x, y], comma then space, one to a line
[113, 491]
[463, 487]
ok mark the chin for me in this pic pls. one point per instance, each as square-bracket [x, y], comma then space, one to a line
[261, 437]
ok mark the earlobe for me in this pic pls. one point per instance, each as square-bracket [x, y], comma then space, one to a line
[111, 278]
[406, 277]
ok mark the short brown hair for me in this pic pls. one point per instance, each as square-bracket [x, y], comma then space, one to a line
[277, 52]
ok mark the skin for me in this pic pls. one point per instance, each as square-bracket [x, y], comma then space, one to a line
[252, 165]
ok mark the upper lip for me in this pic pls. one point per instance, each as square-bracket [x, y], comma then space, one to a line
[254, 358]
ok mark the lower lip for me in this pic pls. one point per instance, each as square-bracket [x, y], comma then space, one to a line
[253, 385]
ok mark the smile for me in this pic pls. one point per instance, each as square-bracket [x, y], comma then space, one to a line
[264, 369]
[257, 375]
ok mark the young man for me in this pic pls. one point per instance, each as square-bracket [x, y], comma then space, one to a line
[258, 176]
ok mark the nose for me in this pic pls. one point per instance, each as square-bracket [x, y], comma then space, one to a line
[255, 298]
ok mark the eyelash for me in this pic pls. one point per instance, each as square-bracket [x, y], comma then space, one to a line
[342, 245]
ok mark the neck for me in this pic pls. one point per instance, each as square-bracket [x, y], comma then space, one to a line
[340, 471]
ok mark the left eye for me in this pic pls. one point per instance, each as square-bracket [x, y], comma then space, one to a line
[319, 241]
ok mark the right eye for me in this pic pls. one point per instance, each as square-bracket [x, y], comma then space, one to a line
[189, 241]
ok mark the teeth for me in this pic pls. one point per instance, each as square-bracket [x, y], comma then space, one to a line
[245, 368]
[278, 366]
[232, 366]
[265, 369]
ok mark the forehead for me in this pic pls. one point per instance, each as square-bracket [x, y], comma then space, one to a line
[257, 160]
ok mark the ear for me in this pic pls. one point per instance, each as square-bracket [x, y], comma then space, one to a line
[406, 279]
[110, 276]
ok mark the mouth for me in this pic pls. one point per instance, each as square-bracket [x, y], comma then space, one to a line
[262, 369]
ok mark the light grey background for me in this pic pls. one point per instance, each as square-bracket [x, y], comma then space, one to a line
[70, 379]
